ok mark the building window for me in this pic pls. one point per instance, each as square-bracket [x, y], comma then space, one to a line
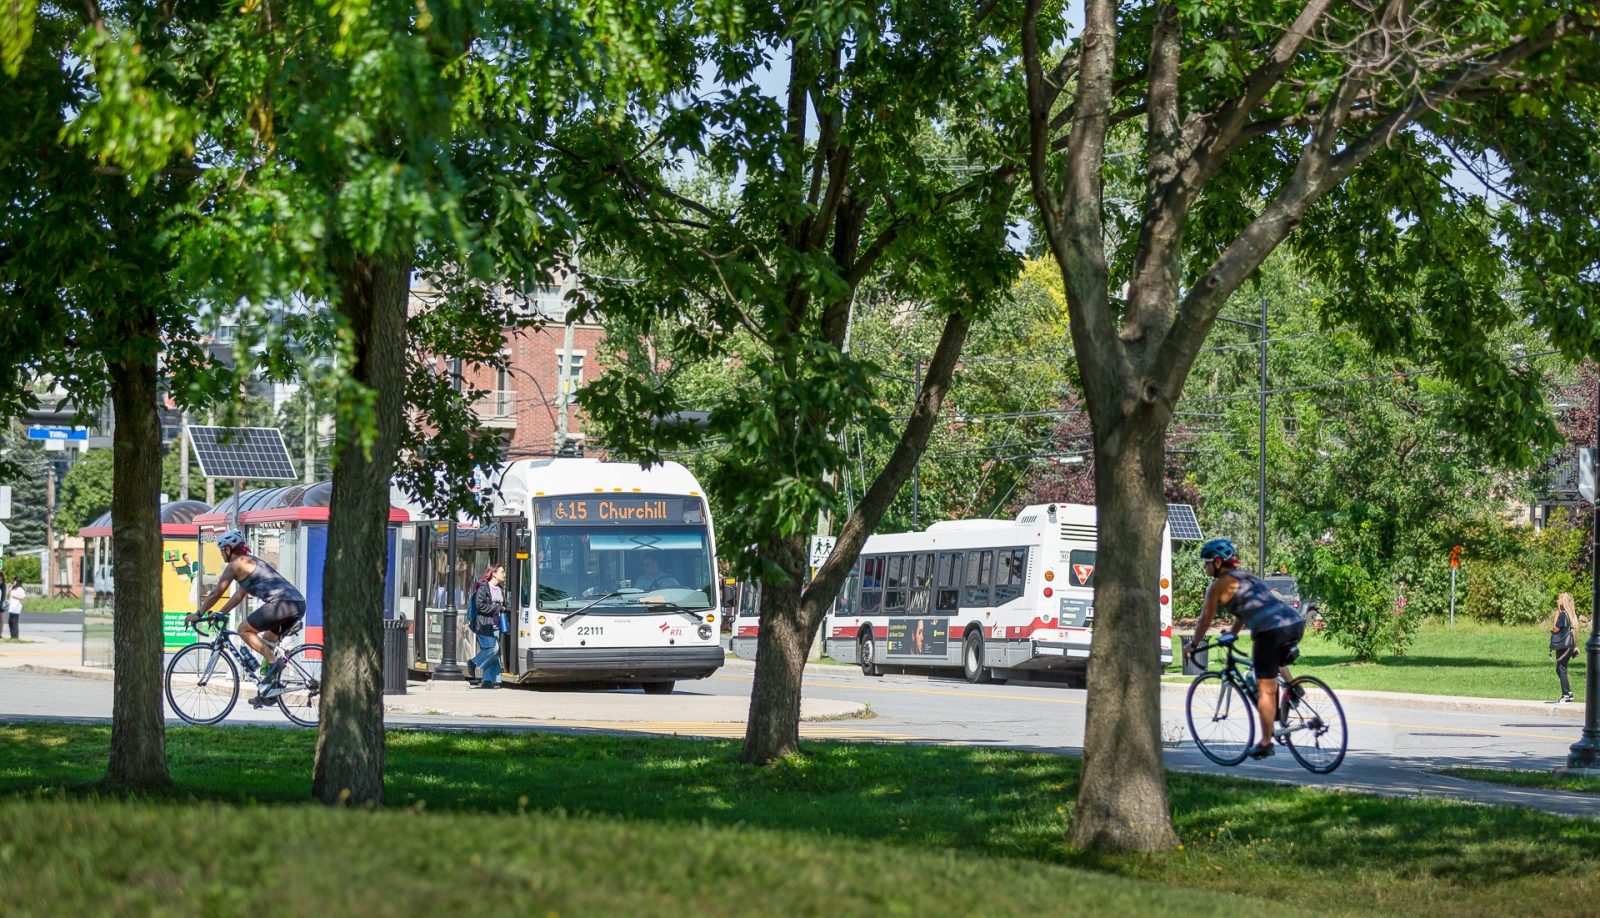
[548, 303]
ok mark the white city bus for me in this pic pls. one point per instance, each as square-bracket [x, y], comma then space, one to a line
[998, 598]
[613, 574]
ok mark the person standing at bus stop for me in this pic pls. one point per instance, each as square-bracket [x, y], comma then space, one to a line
[490, 601]
[14, 598]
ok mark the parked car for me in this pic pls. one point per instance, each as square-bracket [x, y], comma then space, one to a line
[1286, 588]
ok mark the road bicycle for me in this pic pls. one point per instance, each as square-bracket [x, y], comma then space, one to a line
[1223, 719]
[202, 680]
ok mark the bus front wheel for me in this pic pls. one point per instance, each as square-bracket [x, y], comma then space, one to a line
[972, 658]
[864, 650]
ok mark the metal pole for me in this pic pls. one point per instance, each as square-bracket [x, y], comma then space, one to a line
[1452, 596]
[563, 392]
[916, 467]
[448, 670]
[49, 527]
[1585, 752]
[183, 456]
[1261, 455]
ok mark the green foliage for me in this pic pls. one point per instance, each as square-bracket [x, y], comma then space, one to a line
[27, 523]
[1360, 607]
[85, 492]
[1514, 574]
[25, 567]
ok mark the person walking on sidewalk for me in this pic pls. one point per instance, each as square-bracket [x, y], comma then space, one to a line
[1564, 641]
[14, 598]
[489, 601]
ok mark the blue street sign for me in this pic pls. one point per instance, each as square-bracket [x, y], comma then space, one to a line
[58, 433]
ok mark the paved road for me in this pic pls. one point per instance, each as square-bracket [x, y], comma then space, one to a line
[1393, 749]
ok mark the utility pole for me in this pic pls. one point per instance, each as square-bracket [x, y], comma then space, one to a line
[563, 391]
[310, 446]
[449, 670]
[183, 456]
[211, 483]
[49, 526]
[916, 467]
[1261, 452]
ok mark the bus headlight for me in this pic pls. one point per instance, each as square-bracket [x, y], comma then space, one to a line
[705, 632]
[547, 634]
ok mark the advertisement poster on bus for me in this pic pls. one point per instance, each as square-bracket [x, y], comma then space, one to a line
[918, 637]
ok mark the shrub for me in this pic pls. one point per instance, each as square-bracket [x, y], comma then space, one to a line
[25, 567]
[1359, 610]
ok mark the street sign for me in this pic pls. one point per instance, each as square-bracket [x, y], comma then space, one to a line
[1586, 473]
[5, 535]
[58, 433]
[5, 502]
[1455, 556]
[821, 548]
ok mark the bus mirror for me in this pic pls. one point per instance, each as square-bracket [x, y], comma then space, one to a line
[524, 543]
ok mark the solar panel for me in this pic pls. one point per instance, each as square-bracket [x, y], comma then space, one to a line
[1184, 524]
[242, 452]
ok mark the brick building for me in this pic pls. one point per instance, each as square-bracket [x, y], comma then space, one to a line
[546, 363]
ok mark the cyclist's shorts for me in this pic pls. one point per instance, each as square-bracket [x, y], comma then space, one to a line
[277, 617]
[1270, 649]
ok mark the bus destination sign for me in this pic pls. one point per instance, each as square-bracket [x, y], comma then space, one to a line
[601, 509]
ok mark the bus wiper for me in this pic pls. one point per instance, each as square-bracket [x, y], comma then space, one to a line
[611, 595]
[669, 605]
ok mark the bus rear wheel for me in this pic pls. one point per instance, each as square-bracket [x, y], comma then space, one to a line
[972, 660]
[864, 649]
[658, 688]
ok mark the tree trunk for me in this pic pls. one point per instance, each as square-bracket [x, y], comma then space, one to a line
[790, 617]
[773, 729]
[1122, 800]
[349, 765]
[138, 725]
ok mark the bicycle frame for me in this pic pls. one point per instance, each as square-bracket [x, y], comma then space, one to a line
[224, 640]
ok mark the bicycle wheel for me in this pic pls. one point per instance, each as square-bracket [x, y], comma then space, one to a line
[302, 681]
[202, 684]
[1221, 719]
[1315, 725]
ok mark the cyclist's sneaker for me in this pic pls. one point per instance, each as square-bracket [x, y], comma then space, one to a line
[1263, 752]
[260, 701]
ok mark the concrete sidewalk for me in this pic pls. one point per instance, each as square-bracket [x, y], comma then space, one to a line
[684, 708]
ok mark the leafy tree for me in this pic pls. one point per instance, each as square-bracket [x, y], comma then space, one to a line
[1247, 120]
[85, 492]
[88, 297]
[26, 477]
[835, 186]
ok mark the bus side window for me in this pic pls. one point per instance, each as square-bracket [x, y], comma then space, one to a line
[894, 597]
[980, 573]
[845, 604]
[921, 582]
[947, 593]
[871, 585]
[1010, 576]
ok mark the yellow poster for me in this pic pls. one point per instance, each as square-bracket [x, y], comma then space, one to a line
[181, 577]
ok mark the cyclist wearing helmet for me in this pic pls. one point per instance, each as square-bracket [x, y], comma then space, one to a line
[1275, 626]
[280, 606]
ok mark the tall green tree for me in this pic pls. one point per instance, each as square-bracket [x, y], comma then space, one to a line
[1248, 120]
[88, 298]
[880, 157]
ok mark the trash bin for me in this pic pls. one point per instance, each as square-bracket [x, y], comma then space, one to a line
[394, 656]
[1198, 665]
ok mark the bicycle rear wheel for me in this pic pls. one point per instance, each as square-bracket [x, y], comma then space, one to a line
[1221, 719]
[302, 681]
[202, 684]
[1317, 733]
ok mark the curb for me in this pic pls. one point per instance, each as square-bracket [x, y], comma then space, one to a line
[104, 675]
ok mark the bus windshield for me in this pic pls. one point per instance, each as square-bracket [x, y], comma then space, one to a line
[577, 565]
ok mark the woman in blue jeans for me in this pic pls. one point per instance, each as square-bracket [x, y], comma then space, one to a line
[490, 596]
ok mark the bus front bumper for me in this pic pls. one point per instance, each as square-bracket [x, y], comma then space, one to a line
[1054, 654]
[620, 664]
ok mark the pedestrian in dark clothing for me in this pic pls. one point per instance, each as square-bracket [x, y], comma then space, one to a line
[489, 598]
[1564, 641]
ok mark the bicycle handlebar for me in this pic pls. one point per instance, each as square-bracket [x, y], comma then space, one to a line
[214, 618]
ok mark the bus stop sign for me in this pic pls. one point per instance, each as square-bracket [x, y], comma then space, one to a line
[1586, 473]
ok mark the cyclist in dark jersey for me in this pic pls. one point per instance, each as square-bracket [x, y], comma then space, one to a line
[280, 605]
[1275, 627]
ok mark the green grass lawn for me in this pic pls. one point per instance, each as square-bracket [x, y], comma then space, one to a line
[507, 822]
[1474, 659]
[50, 605]
[1518, 778]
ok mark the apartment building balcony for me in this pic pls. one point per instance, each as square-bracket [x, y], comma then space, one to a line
[496, 408]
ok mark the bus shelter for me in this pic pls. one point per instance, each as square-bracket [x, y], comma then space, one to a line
[288, 528]
[181, 571]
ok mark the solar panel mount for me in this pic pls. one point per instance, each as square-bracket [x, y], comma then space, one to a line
[242, 452]
[1185, 526]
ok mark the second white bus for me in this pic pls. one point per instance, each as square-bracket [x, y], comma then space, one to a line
[997, 598]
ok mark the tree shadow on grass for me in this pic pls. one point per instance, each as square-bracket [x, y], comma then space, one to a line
[982, 801]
